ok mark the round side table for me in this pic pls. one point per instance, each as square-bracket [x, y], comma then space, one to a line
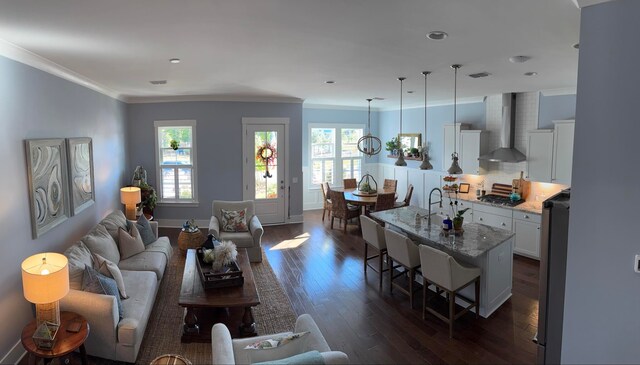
[66, 342]
[187, 240]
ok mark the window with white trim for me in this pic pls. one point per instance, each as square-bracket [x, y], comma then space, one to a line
[334, 154]
[176, 161]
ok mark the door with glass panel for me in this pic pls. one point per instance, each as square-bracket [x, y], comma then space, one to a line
[264, 170]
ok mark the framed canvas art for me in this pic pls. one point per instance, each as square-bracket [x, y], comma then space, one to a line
[48, 183]
[80, 157]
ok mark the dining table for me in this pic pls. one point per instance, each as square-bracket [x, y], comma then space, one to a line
[366, 201]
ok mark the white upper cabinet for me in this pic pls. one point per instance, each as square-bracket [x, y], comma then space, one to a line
[472, 145]
[540, 155]
[449, 138]
[562, 151]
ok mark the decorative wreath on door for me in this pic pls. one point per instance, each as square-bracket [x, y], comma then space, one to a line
[266, 153]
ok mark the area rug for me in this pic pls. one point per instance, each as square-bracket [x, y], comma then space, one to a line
[162, 336]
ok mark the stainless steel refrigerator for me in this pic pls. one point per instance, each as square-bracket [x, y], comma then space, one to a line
[553, 269]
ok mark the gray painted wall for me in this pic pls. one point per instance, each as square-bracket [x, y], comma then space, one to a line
[219, 143]
[36, 104]
[555, 107]
[437, 116]
[335, 116]
[602, 299]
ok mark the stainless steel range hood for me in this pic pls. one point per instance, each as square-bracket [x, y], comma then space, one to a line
[506, 152]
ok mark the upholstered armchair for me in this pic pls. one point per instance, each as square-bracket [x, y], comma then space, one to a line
[250, 239]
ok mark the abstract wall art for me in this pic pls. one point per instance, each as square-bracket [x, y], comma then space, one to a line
[48, 183]
[82, 195]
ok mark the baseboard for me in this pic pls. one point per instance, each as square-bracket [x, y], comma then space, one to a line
[203, 224]
[14, 355]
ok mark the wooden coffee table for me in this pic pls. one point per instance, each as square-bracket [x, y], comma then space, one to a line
[231, 306]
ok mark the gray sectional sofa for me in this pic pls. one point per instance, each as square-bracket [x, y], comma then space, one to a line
[111, 337]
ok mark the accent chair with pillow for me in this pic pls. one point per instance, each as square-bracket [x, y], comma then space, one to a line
[113, 278]
[236, 221]
[305, 345]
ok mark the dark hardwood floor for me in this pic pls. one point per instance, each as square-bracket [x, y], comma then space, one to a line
[321, 271]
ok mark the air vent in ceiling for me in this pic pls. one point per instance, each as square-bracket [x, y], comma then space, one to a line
[479, 75]
[158, 82]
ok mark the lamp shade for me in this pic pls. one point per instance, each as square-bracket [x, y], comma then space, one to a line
[45, 277]
[130, 195]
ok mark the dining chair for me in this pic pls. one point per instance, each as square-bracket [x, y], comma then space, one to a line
[350, 183]
[404, 251]
[443, 271]
[384, 201]
[373, 234]
[340, 209]
[407, 198]
[326, 202]
[390, 185]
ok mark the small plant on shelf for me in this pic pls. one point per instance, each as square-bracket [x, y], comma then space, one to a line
[393, 145]
[174, 144]
[415, 152]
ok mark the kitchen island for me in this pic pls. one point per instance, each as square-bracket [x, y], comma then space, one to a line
[489, 248]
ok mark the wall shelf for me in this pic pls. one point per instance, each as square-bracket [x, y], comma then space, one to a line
[407, 158]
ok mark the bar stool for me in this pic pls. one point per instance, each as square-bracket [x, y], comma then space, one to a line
[404, 251]
[443, 271]
[373, 235]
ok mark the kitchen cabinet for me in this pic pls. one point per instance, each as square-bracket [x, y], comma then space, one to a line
[527, 240]
[473, 144]
[562, 151]
[448, 143]
[493, 216]
[540, 155]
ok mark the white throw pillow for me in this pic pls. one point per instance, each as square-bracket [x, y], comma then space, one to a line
[108, 268]
[78, 256]
[100, 241]
[277, 347]
[130, 243]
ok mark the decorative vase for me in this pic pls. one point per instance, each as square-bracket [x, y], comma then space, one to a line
[457, 223]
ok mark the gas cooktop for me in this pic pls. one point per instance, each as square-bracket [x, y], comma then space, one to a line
[500, 200]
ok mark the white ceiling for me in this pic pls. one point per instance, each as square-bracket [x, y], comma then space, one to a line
[288, 48]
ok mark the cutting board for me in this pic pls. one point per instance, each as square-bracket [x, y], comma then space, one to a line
[522, 186]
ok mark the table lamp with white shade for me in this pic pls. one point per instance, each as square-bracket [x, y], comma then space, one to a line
[130, 196]
[45, 280]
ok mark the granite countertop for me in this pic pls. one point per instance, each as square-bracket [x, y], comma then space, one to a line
[476, 240]
[527, 206]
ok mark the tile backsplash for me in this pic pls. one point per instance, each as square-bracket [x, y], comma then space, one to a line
[499, 172]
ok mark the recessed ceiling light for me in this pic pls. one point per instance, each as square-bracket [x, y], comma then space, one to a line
[378, 98]
[174, 60]
[576, 46]
[532, 73]
[158, 82]
[437, 35]
[519, 59]
[329, 82]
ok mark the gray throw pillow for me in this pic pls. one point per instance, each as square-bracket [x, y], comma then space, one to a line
[94, 282]
[144, 228]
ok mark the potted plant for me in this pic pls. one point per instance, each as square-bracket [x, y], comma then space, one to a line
[415, 152]
[459, 219]
[393, 145]
[174, 144]
[149, 198]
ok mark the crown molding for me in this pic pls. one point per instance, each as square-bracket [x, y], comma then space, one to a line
[236, 98]
[470, 100]
[338, 107]
[561, 91]
[584, 3]
[19, 54]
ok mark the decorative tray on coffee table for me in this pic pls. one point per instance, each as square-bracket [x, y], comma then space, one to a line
[229, 276]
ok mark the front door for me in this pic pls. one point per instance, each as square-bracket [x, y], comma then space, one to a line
[264, 169]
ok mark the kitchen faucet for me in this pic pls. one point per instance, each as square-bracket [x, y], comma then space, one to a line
[430, 203]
